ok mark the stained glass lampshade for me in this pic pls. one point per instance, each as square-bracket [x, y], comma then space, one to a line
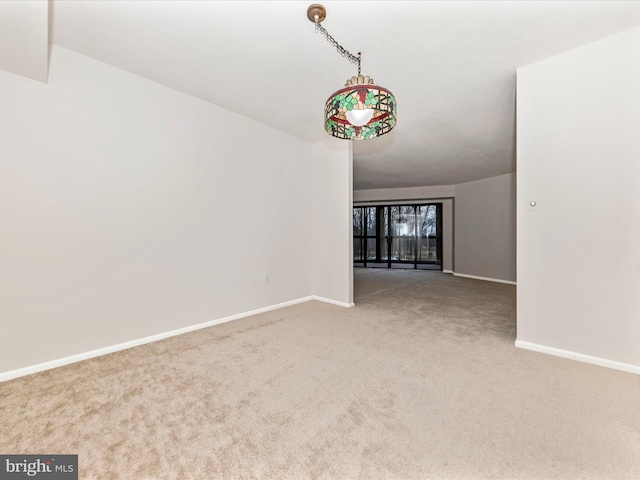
[360, 111]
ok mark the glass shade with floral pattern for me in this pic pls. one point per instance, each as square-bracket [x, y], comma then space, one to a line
[360, 93]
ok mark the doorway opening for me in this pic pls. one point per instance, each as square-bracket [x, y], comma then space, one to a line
[398, 236]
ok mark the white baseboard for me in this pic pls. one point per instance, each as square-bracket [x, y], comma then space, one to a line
[333, 302]
[40, 367]
[486, 279]
[447, 271]
[580, 357]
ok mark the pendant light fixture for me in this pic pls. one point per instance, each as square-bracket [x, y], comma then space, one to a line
[361, 110]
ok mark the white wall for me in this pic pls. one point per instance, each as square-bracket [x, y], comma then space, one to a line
[485, 228]
[439, 194]
[407, 193]
[128, 209]
[578, 159]
[333, 221]
[24, 38]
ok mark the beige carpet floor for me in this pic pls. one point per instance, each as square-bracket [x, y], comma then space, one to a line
[419, 380]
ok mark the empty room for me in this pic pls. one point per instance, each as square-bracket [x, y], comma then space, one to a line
[349, 240]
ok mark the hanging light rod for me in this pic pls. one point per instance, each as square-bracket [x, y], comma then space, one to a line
[317, 13]
[361, 110]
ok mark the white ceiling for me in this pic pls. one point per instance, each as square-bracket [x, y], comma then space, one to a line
[451, 66]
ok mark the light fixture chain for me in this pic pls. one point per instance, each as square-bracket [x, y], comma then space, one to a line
[340, 49]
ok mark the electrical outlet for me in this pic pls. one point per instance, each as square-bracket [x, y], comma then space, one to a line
[267, 277]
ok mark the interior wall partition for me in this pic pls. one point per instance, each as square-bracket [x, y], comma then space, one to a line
[398, 236]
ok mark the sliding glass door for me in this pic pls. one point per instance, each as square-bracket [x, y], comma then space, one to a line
[365, 240]
[398, 236]
[429, 238]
